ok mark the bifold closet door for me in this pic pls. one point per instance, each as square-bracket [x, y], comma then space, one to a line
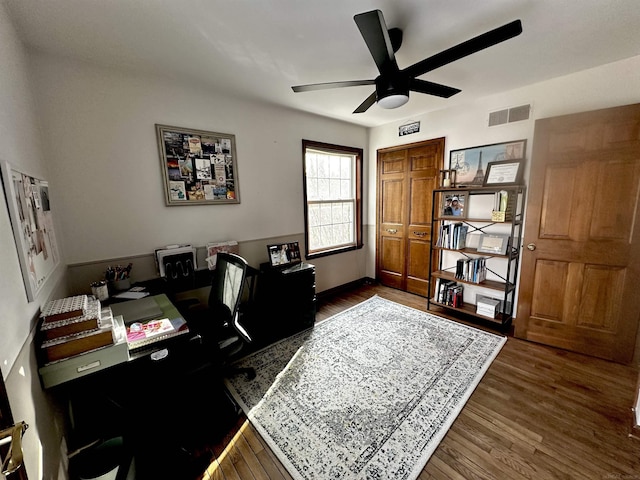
[407, 176]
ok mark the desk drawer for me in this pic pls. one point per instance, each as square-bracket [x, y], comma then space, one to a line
[85, 364]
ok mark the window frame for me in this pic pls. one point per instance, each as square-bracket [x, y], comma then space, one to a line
[358, 180]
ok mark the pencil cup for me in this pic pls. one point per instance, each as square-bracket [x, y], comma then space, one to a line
[123, 284]
[100, 291]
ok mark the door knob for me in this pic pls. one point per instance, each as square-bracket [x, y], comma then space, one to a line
[531, 246]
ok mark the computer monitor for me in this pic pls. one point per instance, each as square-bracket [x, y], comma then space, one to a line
[283, 255]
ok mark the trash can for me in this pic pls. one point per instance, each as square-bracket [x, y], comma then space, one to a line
[108, 460]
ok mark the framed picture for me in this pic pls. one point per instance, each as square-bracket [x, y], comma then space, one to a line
[198, 167]
[470, 163]
[496, 244]
[32, 221]
[453, 205]
[504, 172]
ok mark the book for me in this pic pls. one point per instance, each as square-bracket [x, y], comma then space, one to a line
[75, 344]
[143, 334]
[87, 321]
[64, 308]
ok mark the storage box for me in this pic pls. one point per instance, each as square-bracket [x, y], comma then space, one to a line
[488, 307]
[80, 365]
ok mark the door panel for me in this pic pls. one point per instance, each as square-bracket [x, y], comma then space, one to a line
[407, 176]
[391, 212]
[392, 261]
[424, 169]
[577, 287]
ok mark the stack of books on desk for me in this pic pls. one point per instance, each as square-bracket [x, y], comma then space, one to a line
[71, 326]
[141, 335]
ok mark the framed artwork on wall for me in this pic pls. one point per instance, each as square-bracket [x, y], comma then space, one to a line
[471, 163]
[198, 167]
[32, 223]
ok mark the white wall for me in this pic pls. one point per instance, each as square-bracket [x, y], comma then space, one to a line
[466, 126]
[98, 150]
[20, 140]
[99, 132]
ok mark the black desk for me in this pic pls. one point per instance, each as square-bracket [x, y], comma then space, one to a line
[160, 404]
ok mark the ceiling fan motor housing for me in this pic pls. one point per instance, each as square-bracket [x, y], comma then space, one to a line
[392, 91]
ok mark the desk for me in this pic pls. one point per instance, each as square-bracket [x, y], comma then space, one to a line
[160, 405]
[91, 362]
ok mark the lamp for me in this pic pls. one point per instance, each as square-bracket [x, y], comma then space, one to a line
[393, 100]
[392, 92]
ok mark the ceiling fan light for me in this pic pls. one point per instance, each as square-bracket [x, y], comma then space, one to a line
[394, 100]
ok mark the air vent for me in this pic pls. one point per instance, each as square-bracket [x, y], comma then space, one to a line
[499, 117]
[509, 115]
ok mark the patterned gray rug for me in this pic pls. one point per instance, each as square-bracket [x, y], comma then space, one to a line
[367, 394]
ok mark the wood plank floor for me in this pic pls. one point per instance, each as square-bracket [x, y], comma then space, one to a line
[538, 413]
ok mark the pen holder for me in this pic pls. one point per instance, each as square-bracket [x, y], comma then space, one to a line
[120, 285]
[100, 291]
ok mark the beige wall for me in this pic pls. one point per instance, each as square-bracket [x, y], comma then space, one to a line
[92, 136]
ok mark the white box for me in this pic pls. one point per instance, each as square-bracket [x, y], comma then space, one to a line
[487, 307]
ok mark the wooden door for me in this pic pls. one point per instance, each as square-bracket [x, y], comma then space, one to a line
[407, 176]
[581, 256]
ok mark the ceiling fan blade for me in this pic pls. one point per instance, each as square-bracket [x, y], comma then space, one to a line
[325, 86]
[463, 49]
[364, 106]
[374, 31]
[430, 88]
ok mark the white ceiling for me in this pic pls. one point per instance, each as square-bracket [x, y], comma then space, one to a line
[258, 49]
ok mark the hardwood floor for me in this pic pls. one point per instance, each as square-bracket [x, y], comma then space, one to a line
[538, 413]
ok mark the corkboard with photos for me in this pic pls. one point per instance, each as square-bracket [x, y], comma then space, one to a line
[198, 167]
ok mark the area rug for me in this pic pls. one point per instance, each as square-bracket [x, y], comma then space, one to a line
[366, 394]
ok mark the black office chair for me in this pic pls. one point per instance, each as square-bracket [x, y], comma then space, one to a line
[178, 444]
[222, 335]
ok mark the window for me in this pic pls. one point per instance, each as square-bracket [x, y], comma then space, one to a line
[333, 198]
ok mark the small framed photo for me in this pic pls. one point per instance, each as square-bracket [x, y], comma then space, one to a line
[504, 172]
[453, 205]
[496, 244]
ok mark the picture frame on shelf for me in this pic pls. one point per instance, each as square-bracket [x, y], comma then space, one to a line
[494, 243]
[453, 205]
[470, 163]
[504, 173]
[198, 167]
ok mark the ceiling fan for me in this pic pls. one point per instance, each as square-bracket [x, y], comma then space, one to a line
[393, 84]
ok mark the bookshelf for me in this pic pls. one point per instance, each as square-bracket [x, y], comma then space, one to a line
[475, 253]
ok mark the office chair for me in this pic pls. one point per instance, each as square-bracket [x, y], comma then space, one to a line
[220, 328]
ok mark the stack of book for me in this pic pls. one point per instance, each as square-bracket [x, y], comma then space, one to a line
[71, 326]
[452, 235]
[140, 335]
[448, 292]
[472, 269]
